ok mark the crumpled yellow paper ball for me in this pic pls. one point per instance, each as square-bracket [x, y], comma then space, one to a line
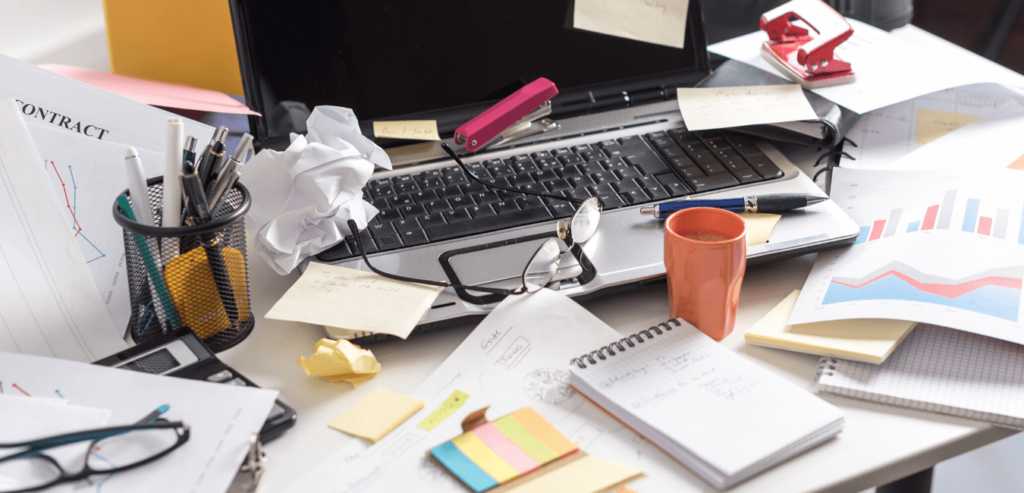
[340, 361]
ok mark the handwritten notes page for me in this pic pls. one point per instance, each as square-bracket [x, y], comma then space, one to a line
[714, 411]
[354, 300]
[707, 108]
[407, 130]
[660, 22]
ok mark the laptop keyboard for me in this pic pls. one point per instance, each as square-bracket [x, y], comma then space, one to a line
[443, 204]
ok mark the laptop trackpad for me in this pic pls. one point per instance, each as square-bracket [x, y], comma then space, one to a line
[504, 264]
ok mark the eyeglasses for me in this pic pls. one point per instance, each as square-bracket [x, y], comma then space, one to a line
[543, 265]
[111, 450]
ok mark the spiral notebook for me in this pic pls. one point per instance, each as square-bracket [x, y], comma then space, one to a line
[940, 370]
[711, 409]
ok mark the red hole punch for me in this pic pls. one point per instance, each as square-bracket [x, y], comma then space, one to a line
[808, 60]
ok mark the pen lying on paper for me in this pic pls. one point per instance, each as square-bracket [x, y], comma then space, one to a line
[778, 202]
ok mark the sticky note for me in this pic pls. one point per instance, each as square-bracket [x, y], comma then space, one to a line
[660, 22]
[547, 434]
[759, 226]
[528, 443]
[485, 458]
[340, 361]
[377, 414]
[449, 406]
[587, 474]
[869, 340]
[407, 130]
[1017, 163]
[707, 108]
[625, 489]
[355, 300]
[455, 461]
[932, 124]
[494, 439]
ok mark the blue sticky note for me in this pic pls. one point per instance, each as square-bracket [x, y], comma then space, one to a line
[455, 461]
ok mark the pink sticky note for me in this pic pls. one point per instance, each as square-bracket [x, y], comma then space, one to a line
[155, 93]
[497, 442]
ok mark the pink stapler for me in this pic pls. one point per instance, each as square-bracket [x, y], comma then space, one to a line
[518, 115]
[807, 60]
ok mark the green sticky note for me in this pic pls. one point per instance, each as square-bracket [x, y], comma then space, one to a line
[447, 408]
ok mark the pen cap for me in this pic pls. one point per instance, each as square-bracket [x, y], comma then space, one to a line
[244, 144]
[206, 283]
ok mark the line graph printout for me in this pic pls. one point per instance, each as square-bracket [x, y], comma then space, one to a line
[940, 247]
[86, 175]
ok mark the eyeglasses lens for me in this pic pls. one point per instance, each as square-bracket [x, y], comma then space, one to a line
[584, 222]
[130, 448]
[541, 269]
[27, 473]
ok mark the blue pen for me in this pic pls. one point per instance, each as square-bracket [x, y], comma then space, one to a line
[151, 267]
[778, 202]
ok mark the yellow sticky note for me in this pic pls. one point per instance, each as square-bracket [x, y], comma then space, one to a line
[869, 340]
[485, 458]
[377, 414]
[932, 124]
[407, 130]
[706, 108]
[340, 361]
[587, 474]
[447, 408]
[759, 226]
[355, 300]
[662, 22]
[625, 489]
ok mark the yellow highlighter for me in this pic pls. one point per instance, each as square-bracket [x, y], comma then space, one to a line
[195, 295]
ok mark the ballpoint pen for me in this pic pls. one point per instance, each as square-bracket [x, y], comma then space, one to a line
[229, 174]
[158, 289]
[778, 202]
[212, 157]
[200, 212]
[172, 191]
[189, 154]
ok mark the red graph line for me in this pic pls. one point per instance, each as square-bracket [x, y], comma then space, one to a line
[20, 389]
[946, 290]
[66, 199]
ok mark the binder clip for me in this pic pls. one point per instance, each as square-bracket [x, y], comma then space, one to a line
[807, 60]
[519, 115]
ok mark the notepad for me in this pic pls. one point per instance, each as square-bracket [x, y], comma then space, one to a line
[941, 370]
[377, 414]
[711, 409]
[869, 340]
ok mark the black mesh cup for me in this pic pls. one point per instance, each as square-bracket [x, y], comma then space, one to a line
[193, 276]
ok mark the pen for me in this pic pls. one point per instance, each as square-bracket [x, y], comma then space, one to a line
[212, 156]
[137, 187]
[157, 287]
[189, 154]
[172, 189]
[777, 202]
[200, 211]
[229, 174]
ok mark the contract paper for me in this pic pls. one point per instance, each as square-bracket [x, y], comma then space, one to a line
[517, 357]
[49, 305]
[86, 175]
[221, 418]
[52, 100]
[708, 108]
[941, 247]
[660, 22]
[890, 67]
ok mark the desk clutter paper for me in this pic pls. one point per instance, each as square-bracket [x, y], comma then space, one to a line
[341, 361]
[661, 22]
[377, 414]
[355, 300]
[707, 108]
[869, 340]
[407, 130]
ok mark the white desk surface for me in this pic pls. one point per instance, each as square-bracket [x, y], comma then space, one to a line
[880, 443]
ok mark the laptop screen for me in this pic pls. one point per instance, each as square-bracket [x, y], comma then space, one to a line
[443, 59]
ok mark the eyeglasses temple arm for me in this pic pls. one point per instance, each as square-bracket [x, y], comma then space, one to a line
[473, 176]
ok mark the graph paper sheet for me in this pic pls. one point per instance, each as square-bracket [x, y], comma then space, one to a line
[714, 411]
[940, 370]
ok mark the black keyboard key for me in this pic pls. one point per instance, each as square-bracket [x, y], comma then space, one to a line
[570, 159]
[635, 197]
[431, 183]
[716, 144]
[437, 206]
[521, 180]
[461, 201]
[591, 154]
[499, 171]
[561, 208]
[541, 155]
[407, 187]
[480, 174]
[655, 135]
[449, 192]
[486, 224]
[505, 207]
[478, 211]
[747, 176]
[473, 187]
[431, 220]
[380, 229]
[605, 144]
[562, 151]
[485, 197]
[455, 179]
[744, 145]
[412, 210]
[614, 152]
[533, 187]
[570, 172]
[604, 177]
[764, 166]
[337, 252]
[655, 190]
[627, 173]
[389, 242]
[381, 203]
[626, 186]
[403, 225]
[506, 196]
[581, 193]
[692, 172]
[549, 163]
[673, 185]
[591, 167]
[368, 245]
[522, 158]
[631, 141]
[425, 196]
[647, 161]
[734, 163]
[544, 175]
[414, 237]
[457, 215]
[387, 215]
[396, 202]
[489, 162]
[530, 202]
[524, 167]
[499, 182]
[671, 151]
[611, 201]
[713, 168]
[581, 148]
[714, 182]
[612, 164]
[581, 181]
[557, 185]
[383, 192]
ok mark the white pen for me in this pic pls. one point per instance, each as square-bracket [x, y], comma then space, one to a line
[137, 187]
[172, 187]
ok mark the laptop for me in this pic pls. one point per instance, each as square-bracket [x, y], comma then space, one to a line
[617, 134]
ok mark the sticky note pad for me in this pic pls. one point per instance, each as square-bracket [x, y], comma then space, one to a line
[759, 226]
[540, 428]
[455, 461]
[449, 406]
[377, 414]
[409, 130]
[589, 474]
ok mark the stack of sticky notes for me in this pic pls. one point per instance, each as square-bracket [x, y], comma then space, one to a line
[377, 414]
[341, 361]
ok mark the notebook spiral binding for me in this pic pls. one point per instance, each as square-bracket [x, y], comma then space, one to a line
[622, 344]
[826, 366]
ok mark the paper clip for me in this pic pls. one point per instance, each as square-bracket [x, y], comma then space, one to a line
[518, 115]
[807, 60]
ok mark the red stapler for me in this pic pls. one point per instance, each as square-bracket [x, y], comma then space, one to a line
[807, 60]
[518, 115]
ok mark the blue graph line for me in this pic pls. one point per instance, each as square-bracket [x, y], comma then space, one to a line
[94, 246]
[57, 391]
[74, 212]
[74, 208]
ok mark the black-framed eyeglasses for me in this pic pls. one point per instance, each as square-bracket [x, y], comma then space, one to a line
[111, 450]
[543, 265]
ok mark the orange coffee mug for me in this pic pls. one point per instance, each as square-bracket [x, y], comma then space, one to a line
[705, 258]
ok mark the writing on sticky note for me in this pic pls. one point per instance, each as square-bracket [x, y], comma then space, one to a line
[355, 300]
[407, 130]
[707, 108]
[759, 226]
[661, 22]
[932, 124]
[447, 408]
[377, 414]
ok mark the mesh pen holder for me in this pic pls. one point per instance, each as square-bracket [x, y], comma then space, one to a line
[194, 276]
